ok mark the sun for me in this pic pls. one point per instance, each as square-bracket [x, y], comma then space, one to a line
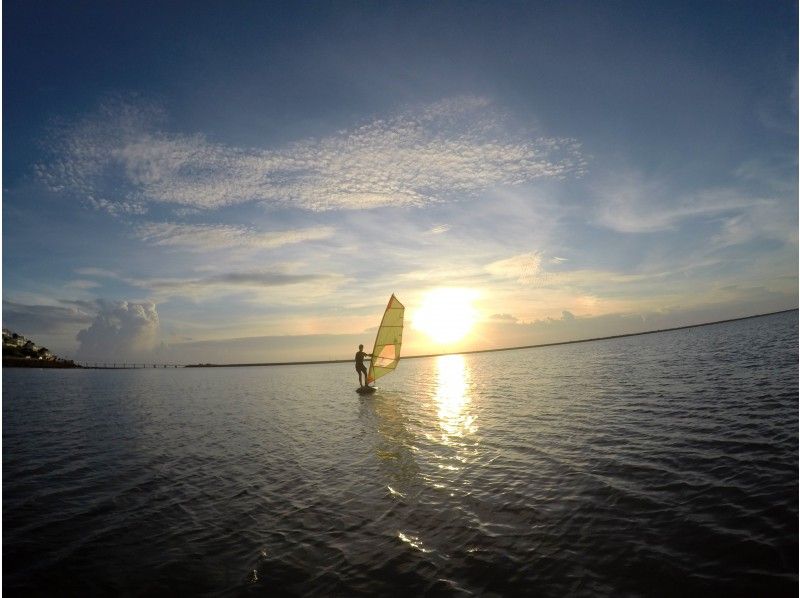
[446, 315]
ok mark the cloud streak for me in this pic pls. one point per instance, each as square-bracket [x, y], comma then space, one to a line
[121, 159]
[200, 237]
[232, 280]
[36, 319]
[633, 205]
[525, 268]
[225, 283]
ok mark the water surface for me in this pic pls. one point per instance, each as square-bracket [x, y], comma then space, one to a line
[663, 464]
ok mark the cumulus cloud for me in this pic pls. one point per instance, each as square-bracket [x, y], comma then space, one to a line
[120, 330]
[455, 147]
[221, 236]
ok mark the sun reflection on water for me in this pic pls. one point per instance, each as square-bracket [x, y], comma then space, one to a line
[453, 398]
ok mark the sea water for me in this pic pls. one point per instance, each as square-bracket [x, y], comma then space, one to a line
[664, 464]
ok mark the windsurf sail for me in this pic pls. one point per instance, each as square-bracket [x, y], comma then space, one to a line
[386, 352]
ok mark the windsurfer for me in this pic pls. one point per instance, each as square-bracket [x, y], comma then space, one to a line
[360, 364]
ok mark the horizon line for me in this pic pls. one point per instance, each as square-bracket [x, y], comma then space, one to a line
[515, 348]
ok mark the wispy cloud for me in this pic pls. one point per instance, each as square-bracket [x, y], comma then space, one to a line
[632, 204]
[457, 147]
[223, 283]
[35, 319]
[97, 272]
[82, 284]
[232, 279]
[504, 317]
[766, 220]
[525, 268]
[221, 236]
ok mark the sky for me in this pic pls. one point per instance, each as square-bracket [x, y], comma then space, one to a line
[241, 182]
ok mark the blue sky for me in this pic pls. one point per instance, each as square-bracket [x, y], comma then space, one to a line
[178, 178]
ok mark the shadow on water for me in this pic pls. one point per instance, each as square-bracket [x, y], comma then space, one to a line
[394, 443]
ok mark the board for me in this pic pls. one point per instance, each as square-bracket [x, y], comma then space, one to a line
[366, 390]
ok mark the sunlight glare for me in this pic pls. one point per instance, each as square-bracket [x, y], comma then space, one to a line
[446, 315]
[452, 396]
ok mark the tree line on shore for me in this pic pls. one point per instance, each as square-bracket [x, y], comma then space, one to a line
[22, 352]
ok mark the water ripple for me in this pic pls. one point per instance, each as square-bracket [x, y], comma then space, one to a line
[655, 465]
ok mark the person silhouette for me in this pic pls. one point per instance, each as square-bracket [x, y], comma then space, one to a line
[360, 364]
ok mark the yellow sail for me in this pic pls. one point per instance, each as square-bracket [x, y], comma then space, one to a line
[386, 352]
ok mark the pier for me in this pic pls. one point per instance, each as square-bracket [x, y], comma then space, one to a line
[96, 365]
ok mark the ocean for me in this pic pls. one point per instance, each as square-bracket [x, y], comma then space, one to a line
[656, 465]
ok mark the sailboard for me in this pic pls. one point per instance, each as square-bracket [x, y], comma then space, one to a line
[388, 340]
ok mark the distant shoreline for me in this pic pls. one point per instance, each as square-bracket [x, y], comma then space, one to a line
[21, 362]
[474, 351]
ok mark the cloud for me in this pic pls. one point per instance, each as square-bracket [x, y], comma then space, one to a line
[525, 268]
[255, 288]
[96, 272]
[221, 236]
[775, 173]
[763, 221]
[120, 330]
[503, 317]
[233, 279]
[117, 208]
[439, 229]
[122, 158]
[42, 319]
[262, 349]
[635, 205]
[226, 283]
[632, 204]
[82, 284]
